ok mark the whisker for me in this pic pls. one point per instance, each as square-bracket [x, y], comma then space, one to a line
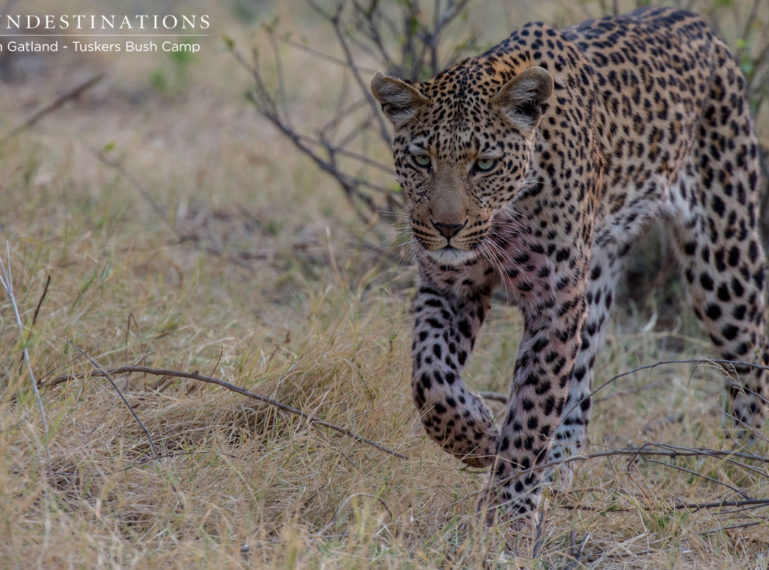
[487, 252]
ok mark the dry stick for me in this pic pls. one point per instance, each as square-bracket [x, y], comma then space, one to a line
[157, 208]
[708, 453]
[676, 506]
[40, 301]
[335, 21]
[51, 107]
[732, 363]
[365, 91]
[718, 504]
[442, 19]
[281, 92]
[742, 511]
[154, 449]
[6, 279]
[161, 212]
[645, 451]
[37, 311]
[496, 396]
[733, 527]
[108, 376]
[666, 451]
[350, 154]
[539, 535]
[233, 388]
[574, 552]
[322, 55]
[732, 488]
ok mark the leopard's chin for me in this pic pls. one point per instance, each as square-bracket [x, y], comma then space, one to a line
[451, 256]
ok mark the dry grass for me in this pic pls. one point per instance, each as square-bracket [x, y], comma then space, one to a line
[313, 320]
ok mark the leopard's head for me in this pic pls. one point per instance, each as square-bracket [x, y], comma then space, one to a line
[462, 146]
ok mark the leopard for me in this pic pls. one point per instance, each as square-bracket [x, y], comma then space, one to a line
[532, 169]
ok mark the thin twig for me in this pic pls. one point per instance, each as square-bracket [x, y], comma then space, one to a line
[233, 388]
[698, 361]
[321, 55]
[734, 526]
[719, 504]
[539, 535]
[104, 373]
[155, 453]
[674, 506]
[163, 215]
[278, 61]
[139, 187]
[645, 451]
[740, 492]
[335, 21]
[708, 452]
[351, 154]
[52, 106]
[37, 311]
[40, 301]
[665, 451]
[576, 552]
[6, 279]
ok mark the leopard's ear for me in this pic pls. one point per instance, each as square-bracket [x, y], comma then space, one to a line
[400, 101]
[522, 99]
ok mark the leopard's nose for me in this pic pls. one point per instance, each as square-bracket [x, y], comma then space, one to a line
[448, 230]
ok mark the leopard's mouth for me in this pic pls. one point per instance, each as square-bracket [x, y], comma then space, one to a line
[451, 255]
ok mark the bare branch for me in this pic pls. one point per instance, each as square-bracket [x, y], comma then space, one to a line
[40, 300]
[163, 215]
[696, 361]
[53, 106]
[734, 526]
[710, 453]
[139, 187]
[107, 375]
[740, 492]
[350, 59]
[282, 98]
[368, 21]
[648, 451]
[677, 506]
[224, 384]
[720, 504]
[443, 19]
[324, 56]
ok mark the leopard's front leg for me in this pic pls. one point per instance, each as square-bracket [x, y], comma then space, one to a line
[546, 357]
[446, 324]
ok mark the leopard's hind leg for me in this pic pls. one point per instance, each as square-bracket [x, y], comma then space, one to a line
[715, 223]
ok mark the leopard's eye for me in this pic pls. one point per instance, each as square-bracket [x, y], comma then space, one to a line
[421, 160]
[485, 164]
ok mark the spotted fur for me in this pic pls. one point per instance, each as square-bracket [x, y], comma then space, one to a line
[534, 167]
